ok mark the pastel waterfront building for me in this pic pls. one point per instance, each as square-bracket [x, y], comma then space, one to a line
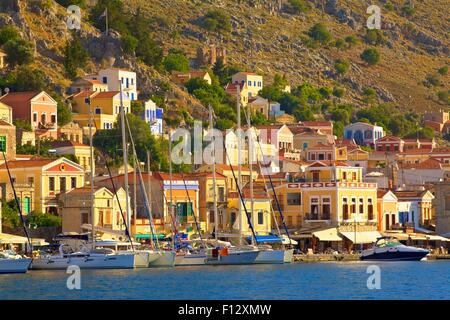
[154, 117]
[38, 109]
[38, 182]
[7, 133]
[75, 207]
[332, 194]
[253, 81]
[261, 217]
[363, 133]
[82, 84]
[105, 107]
[415, 208]
[117, 78]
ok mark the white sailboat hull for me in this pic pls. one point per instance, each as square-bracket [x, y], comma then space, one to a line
[143, 258]
[14, 265]
[288, 255]
[165, 259]
[237, 257]
[270, 257]
[195, 259]
[115, 261]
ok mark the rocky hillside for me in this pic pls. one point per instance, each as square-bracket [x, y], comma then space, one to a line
[272, 41]
[267, 39]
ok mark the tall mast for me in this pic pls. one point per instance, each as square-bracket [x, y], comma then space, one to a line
[216, 216]
[238, 106]
[170, 189]
[149, 195]
[134, 190]
[250, 160]
[91, 164]
[125, 156]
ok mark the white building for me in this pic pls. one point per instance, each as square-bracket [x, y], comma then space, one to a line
[363, 133]
[116, 78]
[153, 116]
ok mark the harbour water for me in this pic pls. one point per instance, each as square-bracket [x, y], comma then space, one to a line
[336, 280]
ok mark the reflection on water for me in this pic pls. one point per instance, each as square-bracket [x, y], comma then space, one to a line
[399, 280]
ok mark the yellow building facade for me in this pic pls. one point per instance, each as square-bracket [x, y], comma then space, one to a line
[41, 181]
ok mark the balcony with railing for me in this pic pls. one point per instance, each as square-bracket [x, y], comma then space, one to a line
[317, 217]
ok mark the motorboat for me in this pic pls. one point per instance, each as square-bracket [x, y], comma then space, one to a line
[390, 249]
[11, 262]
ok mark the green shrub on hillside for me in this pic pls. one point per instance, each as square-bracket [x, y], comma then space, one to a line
[217, 21]
[19, 51]
[75, 56]
[298, 6]
[320, 33]
[371, 56]
[176, 62]
[374, 37]
[341, 66]
[8, 33]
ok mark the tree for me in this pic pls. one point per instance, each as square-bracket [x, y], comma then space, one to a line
[129, 43]
[443, 70]
[8, 33]
[341, 66]
[298, 6]
[319, 33]
[339, 44]
[63, 111]
[75, 56]
[374, 37]
[29, 79]
[371, 56]
[176, 62]
[217, 20]
[18, 52]
[351, 41]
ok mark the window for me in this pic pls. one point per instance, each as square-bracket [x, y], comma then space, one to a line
[353, 206]
[105, 79]
[51, 183]
[211, 216]
[345, 208]
[73, 182]
[326, 209]
[370, 209]
[344, 175]
[30, 180]
[43, 118]
[3, 143]
[316, 176]
[221, 194]
[361, 205]
[260, 217]
[53, 118]
[62, 184]
[249, 83]
[294, 199]
[354, 176]
[35, 117]
[84, 218]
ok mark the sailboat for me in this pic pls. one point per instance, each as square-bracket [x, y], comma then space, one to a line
[85, 255]
[157, 257]
[229, 255]
[10, 261]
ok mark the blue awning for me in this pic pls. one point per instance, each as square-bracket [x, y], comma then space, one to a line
[266, 239]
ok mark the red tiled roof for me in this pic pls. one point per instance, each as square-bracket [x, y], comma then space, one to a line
[14, 97]
[427, 164]
[66, 143]
[14, 164]
[317, 123]
[84, 94]
[106, 94]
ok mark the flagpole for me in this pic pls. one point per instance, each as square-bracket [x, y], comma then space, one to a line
[106, 11]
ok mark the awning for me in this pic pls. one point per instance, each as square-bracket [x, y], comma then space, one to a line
[146, 236]
[362, 237]
[330, 234]
[434, 237]
[266, 239]
[6, 238]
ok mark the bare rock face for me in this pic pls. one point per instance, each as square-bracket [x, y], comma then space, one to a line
[9, 6]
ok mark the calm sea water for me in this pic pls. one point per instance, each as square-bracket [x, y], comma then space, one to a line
[340, 280]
